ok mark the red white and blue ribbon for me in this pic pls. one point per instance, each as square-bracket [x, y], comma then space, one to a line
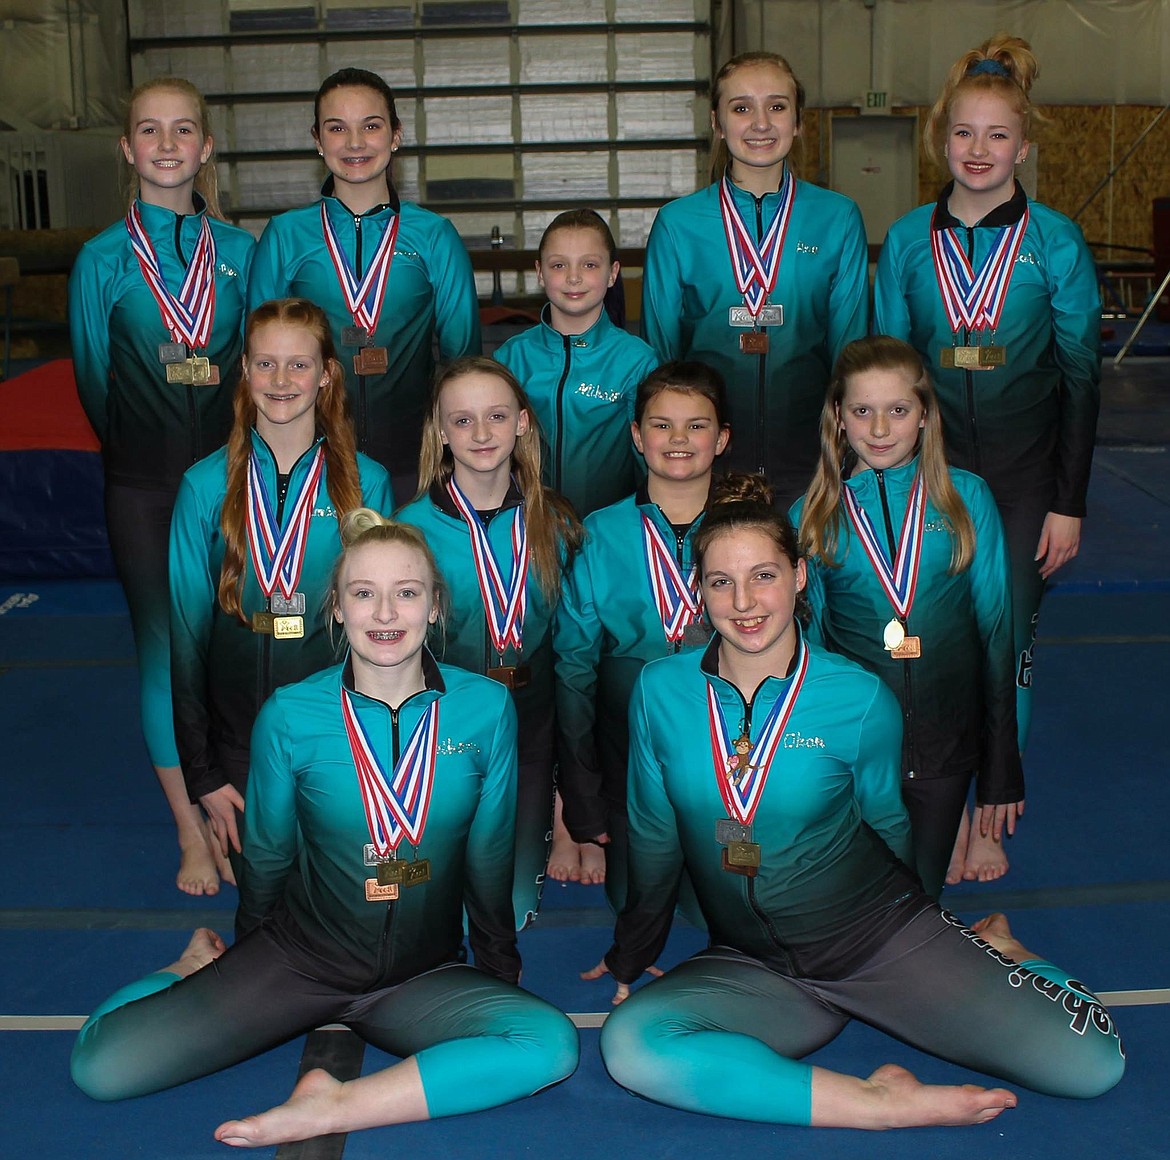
[899, 579]
[504, 604]
[974, 299]
[756, 268]
[741, 777]
[278, 555]
[363, 298]
[678, 600]
[396, 808]
[188, 317]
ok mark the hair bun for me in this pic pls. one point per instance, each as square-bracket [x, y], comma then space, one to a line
[356, 523]
[740, 487]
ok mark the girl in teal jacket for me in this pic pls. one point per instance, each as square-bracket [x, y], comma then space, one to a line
[999, 296]
[156, 319]
[908, 576]
[632, 597]
[505, 541]
[392, 277]
[768, 770]
[381, 807]
[254, 535]
[580, 372]
[760, 275]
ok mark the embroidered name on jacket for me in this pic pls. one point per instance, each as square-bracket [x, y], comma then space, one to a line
[594, 391]
[797, 740]
[806, 248]
[448, 748]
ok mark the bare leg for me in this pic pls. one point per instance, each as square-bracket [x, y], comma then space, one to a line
[198, 870]
[959, 853]
[986, 860]
[564, 860]
[321, 1105]
[892, 1098]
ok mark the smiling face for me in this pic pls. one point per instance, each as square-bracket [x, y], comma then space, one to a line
[575, 271]
[285, 373]
[386, 602]
[355, 136]
[679, 434]
[480, 421]
[882, 417]
[166, 145]
[750, 587]
[757, 116]
[985, 142]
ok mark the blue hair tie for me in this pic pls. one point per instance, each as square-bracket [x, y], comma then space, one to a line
[990, 67]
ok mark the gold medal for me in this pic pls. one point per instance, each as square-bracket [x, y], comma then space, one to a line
[893, 635]
[262, 622]
[288, 627]
[972, 358]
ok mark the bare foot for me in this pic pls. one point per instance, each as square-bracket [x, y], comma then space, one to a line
[205, 946]
[907, 1103]
[959, 853]
[986, 860]
[592, 863]
[308, 1112]
[564, 860]
[995, 930]
[197, 866]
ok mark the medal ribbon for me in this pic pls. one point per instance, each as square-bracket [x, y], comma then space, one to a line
[901, 579]
[678, 601]
[756, 269]
[188, 317]
[397, 808]
[742, 797]
[364, 299]
[974, 300]
[504, 604]
[279, 555]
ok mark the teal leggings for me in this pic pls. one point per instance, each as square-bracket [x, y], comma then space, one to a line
[478, 1042]
[723, 1034]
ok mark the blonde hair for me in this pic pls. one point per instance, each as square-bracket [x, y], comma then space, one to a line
[1010, 73]
[342, 480]
[207, 180]
[821, 517]
[550, 521]
[720, 157]
[363, 526]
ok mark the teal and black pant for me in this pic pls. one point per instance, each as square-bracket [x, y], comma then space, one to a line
[478, 1041]
[724, 1034]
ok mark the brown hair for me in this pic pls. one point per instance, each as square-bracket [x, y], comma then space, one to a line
[362, 526]
[207, 179]
[332, 420]
[550, 521]
[686, 377]
[1009, 73]
[821, 517]
[356, 78]
[580, 219]
[720, 158]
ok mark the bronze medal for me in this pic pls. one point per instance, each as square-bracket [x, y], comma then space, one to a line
[262, 622]
[371, 360]
[910, 649]
[510, 676]
[754, 342]
[377, 893]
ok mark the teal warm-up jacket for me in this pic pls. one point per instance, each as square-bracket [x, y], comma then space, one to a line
[151, 431]
[1030, 424]
[583, 387]
[305, 830]
[959, 697]
[430, 294]
[832, 830]
[221, 671]
[823, 286]
[607, 628]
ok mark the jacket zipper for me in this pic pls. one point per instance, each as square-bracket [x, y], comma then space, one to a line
[761, 392]
[558, 443]
[192, 409]
[363, 415]
[386, 946]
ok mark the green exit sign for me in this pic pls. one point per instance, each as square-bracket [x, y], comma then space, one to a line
[876, 101]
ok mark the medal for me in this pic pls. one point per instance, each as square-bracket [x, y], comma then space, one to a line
[974, 299]
[504, 605]
[363, 298]
[768, 316]
[188, 316]
[395, 807]
[893, 634]
[741, 768]
[278, 553]
[755, 268]
[371, 360]
[727, 831]
[510, 676]
[753, 342]
[679, 603]
[376, 892]
[262, 622]
[910, 649]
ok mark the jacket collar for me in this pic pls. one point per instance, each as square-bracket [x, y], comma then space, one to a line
[1005, 214]
[554, 340]
[432, 679]
[394, 204]
[441, 498]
